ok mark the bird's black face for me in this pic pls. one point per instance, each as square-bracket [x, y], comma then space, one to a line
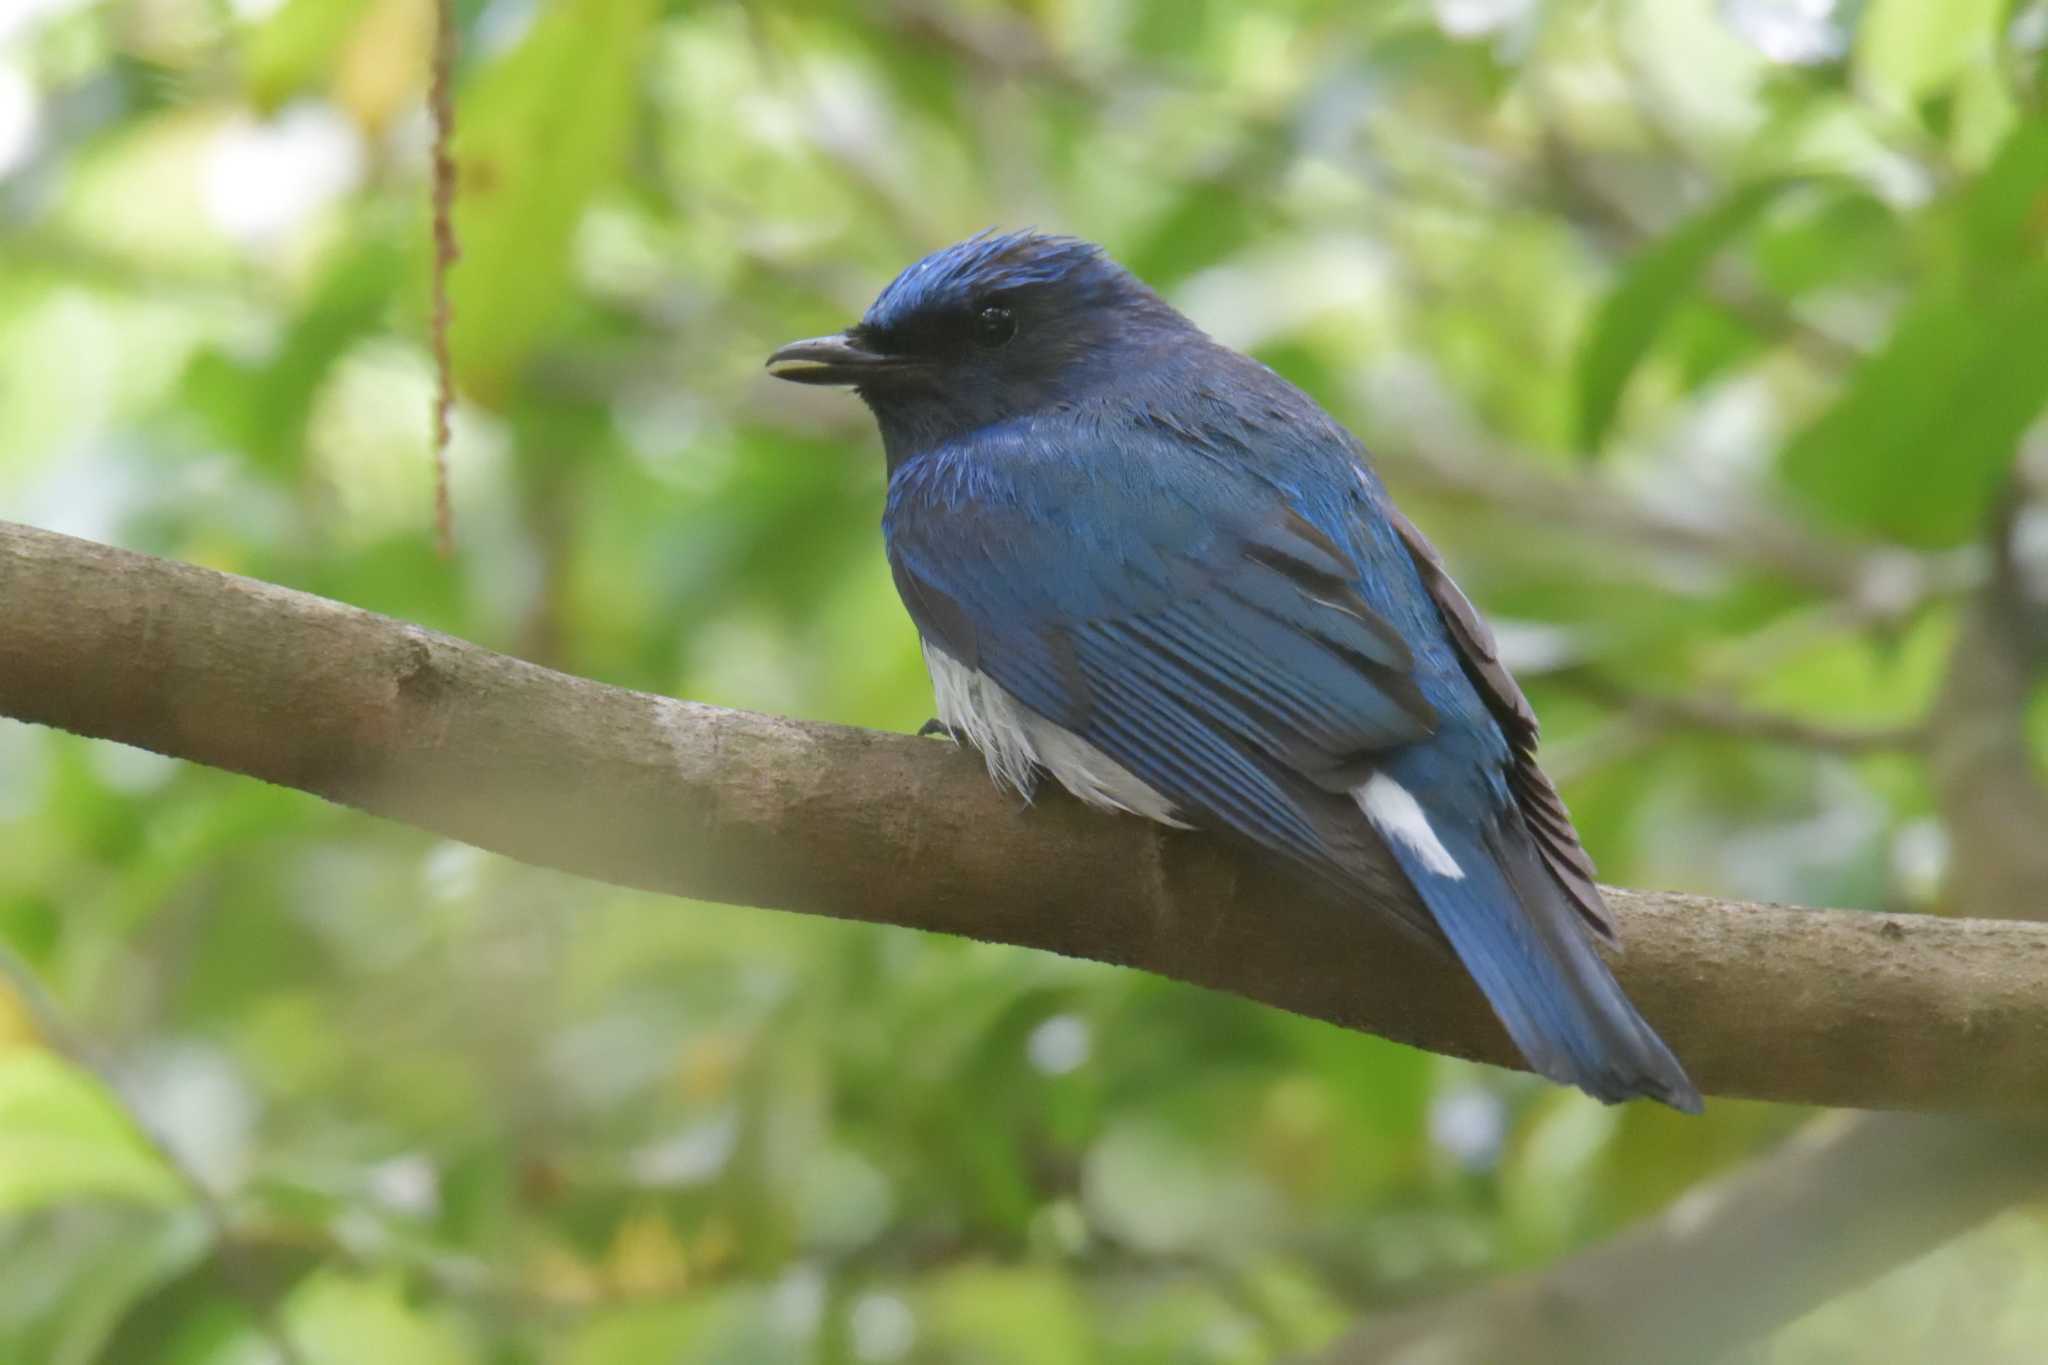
[949, 338]
[991, 329]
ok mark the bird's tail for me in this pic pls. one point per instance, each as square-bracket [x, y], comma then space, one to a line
[1532, 955]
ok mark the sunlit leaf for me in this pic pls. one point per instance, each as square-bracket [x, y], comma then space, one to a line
[1912, 49]
[383, 67]
[1005, 1317]
[63, 1139]
[338, 1319]
[662, 1331]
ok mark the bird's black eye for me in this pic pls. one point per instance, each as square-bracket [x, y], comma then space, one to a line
[994, 325]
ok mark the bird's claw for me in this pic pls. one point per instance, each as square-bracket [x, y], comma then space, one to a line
[935, 726]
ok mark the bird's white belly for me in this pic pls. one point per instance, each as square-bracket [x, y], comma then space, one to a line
[1017, 742]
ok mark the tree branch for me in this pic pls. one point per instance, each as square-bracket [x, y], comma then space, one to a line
[1723, 716]
[1841, 1202]
[1818, 1007]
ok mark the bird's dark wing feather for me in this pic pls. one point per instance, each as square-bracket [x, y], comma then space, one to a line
[1216, 644]
[1543, 811]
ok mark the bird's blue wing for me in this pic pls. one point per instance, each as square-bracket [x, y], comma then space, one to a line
[1542, 809]
[1206, 630]
[1224, 634]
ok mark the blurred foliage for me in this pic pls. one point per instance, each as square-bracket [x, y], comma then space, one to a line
[1761, 263]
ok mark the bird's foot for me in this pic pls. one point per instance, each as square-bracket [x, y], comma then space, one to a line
[937, 727]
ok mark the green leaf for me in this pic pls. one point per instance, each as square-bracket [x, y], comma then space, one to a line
[1002, 1316]
[1914, 49]
[1659, 279]
[538, 135]
[63, 1139]
[660, 1331]
[1917, 445]
[1843, 234]
[2006, 211]
[339, 1319]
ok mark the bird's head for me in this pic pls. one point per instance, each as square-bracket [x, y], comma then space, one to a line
[992, 328]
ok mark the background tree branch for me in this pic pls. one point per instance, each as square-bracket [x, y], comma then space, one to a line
[1849, 1198]
[1811, 1006]
[1845, 1200]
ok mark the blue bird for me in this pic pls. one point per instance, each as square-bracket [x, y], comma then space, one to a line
[1151, 567]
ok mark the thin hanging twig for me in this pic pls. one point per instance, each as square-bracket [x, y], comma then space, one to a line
[441, 98]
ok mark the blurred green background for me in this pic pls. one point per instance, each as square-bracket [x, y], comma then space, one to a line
[1699, 336]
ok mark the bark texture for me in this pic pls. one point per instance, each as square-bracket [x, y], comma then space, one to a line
[1812, 1006]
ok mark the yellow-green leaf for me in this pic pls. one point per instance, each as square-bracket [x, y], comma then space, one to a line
[342, 1319]
[1912, 49]
[63, 1139]
[295, 48]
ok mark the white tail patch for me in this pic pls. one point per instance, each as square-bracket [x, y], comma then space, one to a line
[1016, 742]
[1389, 806]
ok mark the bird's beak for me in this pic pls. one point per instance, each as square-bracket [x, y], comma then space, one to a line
[839, 359]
